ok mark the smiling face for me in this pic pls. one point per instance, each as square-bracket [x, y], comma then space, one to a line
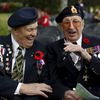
[72, 27]
[25, 35]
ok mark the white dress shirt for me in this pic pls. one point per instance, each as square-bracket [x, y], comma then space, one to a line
[15, 46]
[76, 58]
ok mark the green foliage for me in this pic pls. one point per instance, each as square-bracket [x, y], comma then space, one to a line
[14, 6]
[91, 3]
[3, 23]
[51, 6]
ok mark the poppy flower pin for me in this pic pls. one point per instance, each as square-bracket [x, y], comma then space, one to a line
[38, 56]
[86, 40]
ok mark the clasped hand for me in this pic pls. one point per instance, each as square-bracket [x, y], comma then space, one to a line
[71, 95]
[35, 89]
[70, 47]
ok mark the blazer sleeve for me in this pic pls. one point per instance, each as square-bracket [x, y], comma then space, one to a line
[7, 86]
[58, 87]
[95, 65]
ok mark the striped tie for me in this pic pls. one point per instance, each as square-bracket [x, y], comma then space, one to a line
[18, 66]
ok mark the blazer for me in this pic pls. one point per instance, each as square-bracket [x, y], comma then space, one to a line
[8, 85]
[64, 75]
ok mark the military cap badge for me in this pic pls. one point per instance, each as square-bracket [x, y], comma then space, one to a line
[73, 10]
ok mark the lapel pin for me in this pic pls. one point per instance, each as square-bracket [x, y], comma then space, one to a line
[7, 59]
[9, 49]
[95, 55]
[7, 54]
[99, 55]
[7, 64]
[10, 52]
[7, 68]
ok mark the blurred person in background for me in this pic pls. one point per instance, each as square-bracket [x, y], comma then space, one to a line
[44, 18]
[96, 16]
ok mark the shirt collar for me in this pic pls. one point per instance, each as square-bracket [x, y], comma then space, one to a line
[14, 43]
[79, 41]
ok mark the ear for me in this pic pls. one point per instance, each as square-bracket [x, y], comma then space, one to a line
[83, 23]
[61, 24]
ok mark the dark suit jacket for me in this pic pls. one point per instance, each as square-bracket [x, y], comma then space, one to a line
[7, 85]
[64, 75]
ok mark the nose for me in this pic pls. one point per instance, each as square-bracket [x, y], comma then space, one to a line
[71, 25]
[34, 32]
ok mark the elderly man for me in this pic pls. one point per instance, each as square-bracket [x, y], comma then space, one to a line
[75, 58]
[22, 63]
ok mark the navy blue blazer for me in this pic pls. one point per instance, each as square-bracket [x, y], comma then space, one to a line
[63, 73]
[7, 85]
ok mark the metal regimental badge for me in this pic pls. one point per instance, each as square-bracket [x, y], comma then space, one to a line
[2, 51]
[74, 10]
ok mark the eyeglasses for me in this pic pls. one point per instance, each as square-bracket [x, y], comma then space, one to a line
[75, 22]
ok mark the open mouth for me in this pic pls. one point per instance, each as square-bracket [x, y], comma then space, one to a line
[71, 31]
[30, 38]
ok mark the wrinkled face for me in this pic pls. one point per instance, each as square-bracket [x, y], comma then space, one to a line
[72, 27]
[25, 35]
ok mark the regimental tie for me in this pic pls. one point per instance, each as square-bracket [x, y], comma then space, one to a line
[18, 66]
[76, 59]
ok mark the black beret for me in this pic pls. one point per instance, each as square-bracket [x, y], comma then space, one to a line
[23, 17]
[70, 11]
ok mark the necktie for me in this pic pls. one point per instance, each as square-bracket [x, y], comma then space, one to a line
[18, 66]
[76, 59]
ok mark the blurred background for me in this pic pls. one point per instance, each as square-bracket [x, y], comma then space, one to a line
[48, 29]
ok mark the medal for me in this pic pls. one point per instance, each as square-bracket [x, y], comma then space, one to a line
[99, 55]
[7, 68]
[85, 77]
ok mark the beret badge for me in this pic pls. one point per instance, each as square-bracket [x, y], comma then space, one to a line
[73, 10]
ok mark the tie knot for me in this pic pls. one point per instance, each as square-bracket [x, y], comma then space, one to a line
[20, 48]
[74, 42]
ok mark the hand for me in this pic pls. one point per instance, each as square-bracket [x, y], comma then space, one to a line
[70, 47]
[35, 89]
[71, 95]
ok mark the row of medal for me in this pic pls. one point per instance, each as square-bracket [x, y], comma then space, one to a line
[2, 51]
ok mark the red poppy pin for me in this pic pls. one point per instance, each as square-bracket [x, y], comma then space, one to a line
[40, 62]
[38, 55]
[86, 40]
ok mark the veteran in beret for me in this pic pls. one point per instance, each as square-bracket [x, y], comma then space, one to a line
[74, 61]
[23, 74]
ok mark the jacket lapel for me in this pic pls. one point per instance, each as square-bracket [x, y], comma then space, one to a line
[8, 54]
[30, 65]
[68, 61]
